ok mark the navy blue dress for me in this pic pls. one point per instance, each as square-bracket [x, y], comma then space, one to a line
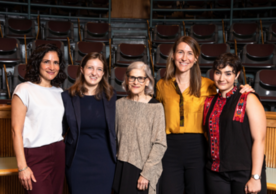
[92, 170]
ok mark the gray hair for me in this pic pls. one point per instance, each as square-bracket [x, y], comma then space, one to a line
[149, 90]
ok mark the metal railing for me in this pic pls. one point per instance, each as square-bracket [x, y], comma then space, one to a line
[230, 10]
[29, 14]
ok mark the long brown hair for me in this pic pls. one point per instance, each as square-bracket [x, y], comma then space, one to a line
[79, 88]
[195, 74]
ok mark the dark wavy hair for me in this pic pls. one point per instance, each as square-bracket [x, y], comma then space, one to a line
[78, 88]
[226, 59]
[32, 71]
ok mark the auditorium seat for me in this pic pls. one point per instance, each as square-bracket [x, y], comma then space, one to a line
[227, 4]
[195, 5]
[271, 34]
[82, 48]
[18, 75]
[162, 54]
[265, 87]
[128, 53]
[39, 42]
[10, 52]
[209, 53]
[10, 55]
[72, 73]
[41, 10]
[117, 78]
[204, 33]
[165, 5]
[59, 30]
[160, 74]
[243, 33]
[97, 32]
[8, 7]
[165, 34]
[17, 28]
[258, 56]
[99, 4]
[257, 3]
[73, 3]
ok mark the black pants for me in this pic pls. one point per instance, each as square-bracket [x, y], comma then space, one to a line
[231, 182]
[184, 164]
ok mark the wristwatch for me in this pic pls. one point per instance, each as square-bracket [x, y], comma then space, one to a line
[256, 176]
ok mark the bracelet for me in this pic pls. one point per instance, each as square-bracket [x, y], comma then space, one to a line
[23, 169]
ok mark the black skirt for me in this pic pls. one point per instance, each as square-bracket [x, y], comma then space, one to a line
[126, 178]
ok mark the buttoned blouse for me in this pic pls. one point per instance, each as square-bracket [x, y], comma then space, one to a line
[193, 106]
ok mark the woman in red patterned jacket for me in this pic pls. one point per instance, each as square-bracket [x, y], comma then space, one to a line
[236, 126]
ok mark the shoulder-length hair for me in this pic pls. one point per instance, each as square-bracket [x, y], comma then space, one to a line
[149, 90]
[78, 88]
[195, 74]
[33, 65]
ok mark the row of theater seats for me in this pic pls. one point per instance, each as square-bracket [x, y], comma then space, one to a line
[243, 33]
[97, 35]
[55, 30]
[61, 11]
[253, 56]
[265, 82]
[163, 36]
[212, 4]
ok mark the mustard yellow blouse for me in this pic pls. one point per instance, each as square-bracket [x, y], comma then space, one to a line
[193, 106]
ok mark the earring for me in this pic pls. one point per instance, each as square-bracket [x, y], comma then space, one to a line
[236, 82]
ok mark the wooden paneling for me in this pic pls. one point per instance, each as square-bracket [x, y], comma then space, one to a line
[270, 150]
[138, 9]
[11, 185]
[271, 192]
[6, 147]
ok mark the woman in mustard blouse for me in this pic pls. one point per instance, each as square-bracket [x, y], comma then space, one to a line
[183, 92]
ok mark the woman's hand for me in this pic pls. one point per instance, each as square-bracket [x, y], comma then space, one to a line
[142, 183]
[253, 186]
[246, 88]
[26, 177]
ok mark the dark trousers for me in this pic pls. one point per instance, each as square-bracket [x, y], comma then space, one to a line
[48, 165]
[184, 164]
[231, 182]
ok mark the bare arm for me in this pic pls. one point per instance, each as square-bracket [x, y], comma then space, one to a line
[18, 117]
[257, 122]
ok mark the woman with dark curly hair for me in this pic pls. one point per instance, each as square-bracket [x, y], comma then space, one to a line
[37, 112]
[89, 122]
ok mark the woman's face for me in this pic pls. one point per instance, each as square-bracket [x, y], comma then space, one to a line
[225, 78]
[49, 66]
[93, 72]
[137, 81]
[184, 57]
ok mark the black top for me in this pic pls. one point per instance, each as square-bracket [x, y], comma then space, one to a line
[153, 100]
[230, 141]
[92, 113]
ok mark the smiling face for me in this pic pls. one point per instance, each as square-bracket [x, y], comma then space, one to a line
[134, 86]
[93, 72]
[184, 57]
[49, 67]
[224, 78]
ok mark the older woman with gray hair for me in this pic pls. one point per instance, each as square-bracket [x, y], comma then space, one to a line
[141, 137]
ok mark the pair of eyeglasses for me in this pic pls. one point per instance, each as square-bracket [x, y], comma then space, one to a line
[139, 79]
